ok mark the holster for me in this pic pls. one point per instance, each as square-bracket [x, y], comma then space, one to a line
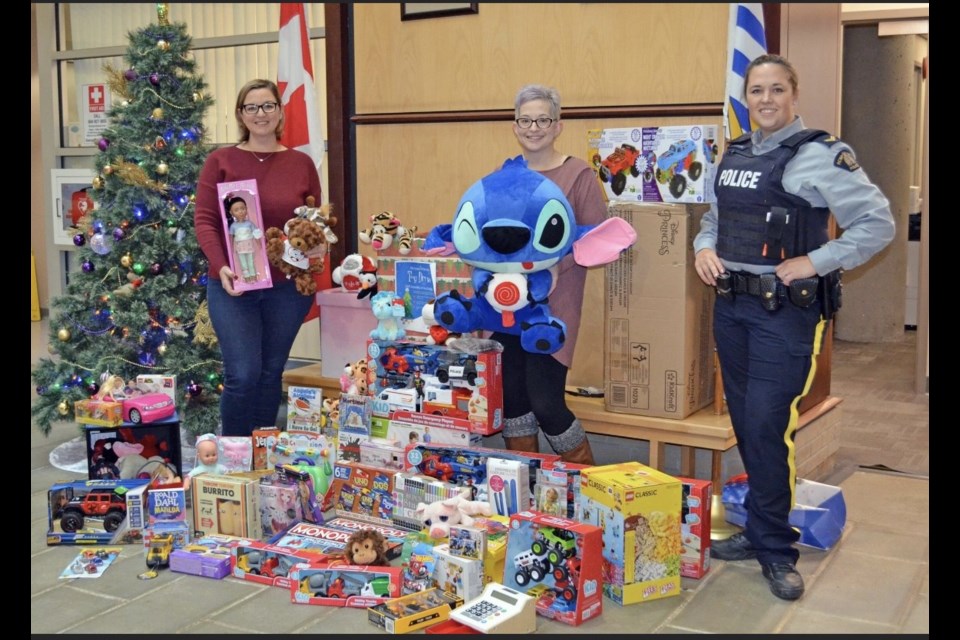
[830, 293]
[725, 285]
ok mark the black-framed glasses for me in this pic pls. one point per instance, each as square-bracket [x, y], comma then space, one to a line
[251, 109]
[542, 122]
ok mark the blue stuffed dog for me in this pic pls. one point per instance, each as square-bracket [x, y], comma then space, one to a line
[513, 227]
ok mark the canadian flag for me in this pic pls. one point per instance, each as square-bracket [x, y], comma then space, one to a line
[301, 129]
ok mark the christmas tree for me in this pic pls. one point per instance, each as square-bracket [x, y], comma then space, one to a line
[138, 303]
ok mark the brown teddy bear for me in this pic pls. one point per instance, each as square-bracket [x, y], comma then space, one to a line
[288, 252]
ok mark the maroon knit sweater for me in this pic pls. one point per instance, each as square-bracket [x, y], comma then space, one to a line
[284, 180]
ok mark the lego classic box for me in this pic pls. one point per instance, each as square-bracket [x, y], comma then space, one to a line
[639, 510]
[658, 325]
[657, 164]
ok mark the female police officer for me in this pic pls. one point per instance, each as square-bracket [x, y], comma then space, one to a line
[765, 246]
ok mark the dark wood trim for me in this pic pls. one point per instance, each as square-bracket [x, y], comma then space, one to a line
[471, 8]
[569, 113]
[771, 26]
[341, 149]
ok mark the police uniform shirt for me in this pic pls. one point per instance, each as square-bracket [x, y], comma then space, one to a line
[825, 174]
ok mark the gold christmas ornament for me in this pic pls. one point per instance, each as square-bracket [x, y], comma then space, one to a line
[162, 168]
[157, 114]
[163, 13]
[63, 335]
[198, 96]
[108, 169]
[162, 349]
[163, 45]
[63, 408]
[124, 103]
[97, 182]
[126, 261]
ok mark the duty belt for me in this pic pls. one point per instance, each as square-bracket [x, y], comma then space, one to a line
[769, 288]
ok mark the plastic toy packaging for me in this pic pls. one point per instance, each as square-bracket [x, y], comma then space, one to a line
[90, 563]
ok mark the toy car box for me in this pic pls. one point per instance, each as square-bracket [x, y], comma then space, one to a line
[227, 504]
[264, 563]
[179, 530]
[455, 574]
[558, 561]
[638, 509]
[658, 164]
[472, 385]
[132, 450]
[207, 563]
[96, 512]
[414, 611]
[343, 585]
[695, 514]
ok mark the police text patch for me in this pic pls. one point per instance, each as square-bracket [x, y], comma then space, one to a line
[845, 160]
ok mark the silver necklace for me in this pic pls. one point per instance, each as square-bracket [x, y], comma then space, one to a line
[270, 155]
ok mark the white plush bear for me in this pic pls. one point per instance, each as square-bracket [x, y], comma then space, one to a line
[437, 517]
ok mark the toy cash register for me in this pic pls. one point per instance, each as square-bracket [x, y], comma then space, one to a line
[498, 609]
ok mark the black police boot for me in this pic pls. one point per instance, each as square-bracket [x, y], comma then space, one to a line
[785, 581]
[736, 547]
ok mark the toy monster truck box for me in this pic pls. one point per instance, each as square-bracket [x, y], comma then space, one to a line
[638, 509]
[658, 164]
[414, 611]
[695, 514]
[339, 584]
[97, 512]
[558, 561]
[347, 323]
[658, 325]
[227, 504]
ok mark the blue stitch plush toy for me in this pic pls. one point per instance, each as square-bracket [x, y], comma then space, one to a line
[513, 227]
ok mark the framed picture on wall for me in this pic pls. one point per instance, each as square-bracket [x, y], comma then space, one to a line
[71, 200]
[418, 10]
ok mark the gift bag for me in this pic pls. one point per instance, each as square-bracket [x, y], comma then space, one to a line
[820, 512]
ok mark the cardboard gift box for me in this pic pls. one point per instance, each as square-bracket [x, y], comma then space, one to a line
[820, 511]
[347, 323]
[695, 514]
[658, 329]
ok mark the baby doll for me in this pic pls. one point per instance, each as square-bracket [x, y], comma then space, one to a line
[207, 455]
[367, 547]
[245, 235]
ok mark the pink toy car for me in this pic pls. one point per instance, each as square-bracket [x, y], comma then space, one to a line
[142, 408]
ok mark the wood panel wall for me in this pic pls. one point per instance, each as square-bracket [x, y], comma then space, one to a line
[434, 99]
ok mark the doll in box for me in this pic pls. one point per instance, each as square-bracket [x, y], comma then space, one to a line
[245, 236]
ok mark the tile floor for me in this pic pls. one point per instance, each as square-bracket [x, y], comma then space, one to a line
[874, 581]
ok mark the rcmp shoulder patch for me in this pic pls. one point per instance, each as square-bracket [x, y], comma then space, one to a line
[845, 160]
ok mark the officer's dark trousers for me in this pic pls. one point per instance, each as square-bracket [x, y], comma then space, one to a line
[767, 364]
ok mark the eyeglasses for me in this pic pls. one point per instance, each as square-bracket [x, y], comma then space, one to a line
[542, 122]
[251, 109]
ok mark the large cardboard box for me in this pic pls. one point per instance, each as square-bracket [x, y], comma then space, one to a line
[347, 323]
[658, 342]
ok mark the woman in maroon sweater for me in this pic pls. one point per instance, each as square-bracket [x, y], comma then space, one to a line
[256, 328]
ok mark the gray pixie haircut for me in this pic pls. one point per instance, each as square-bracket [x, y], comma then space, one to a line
[538, 92]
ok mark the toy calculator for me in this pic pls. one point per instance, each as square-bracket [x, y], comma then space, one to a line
[498, 609]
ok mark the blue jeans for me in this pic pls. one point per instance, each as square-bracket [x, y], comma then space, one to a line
[256, 331]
